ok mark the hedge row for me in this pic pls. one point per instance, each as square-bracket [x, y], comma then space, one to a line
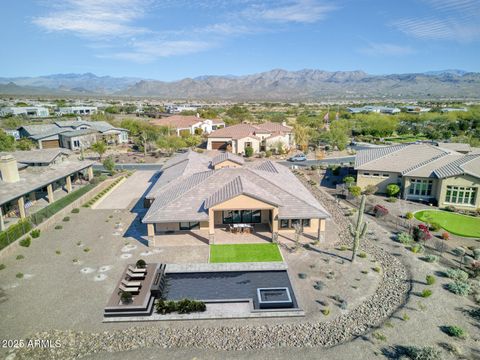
[102, 193]
[14, 232]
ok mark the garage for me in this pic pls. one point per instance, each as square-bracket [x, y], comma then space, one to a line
[219, 145]
[49, 144]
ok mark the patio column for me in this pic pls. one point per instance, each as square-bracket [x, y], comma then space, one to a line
[50, 193]
[21, 207]
[151, 234]
[2, 223]
[68, 184]
[90, 173]
[211, 226]
[274, 223]
[32, 196]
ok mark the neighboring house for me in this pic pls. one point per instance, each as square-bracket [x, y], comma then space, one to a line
[198, 192]
[416, 109]
[31, 111]
[27, 177]
[424, 172]
[453, 109]
[48, 135]
[458, 147]
[260, 137]
[374, 109]
[77, 110]
[78, 139]
[188, 124]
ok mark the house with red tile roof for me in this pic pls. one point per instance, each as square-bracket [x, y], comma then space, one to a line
[260, 137]
[183, 124]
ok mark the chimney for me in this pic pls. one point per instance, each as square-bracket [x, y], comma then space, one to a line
[198, 115]
[9, 169]
[284, 123]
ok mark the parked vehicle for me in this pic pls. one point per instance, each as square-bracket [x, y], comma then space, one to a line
[298, 157]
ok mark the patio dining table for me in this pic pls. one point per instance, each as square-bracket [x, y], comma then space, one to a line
[242, 227]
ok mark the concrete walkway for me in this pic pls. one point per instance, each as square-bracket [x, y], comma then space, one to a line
[129, 192]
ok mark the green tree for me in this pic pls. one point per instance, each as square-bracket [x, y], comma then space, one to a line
[171, 143]
[24, 144]
[100, 148]
[238, 113]
[355, 191]
[302, 136]
[248, 151]
[7, 142]
[393, 189]
[348, 180]
[109, 164]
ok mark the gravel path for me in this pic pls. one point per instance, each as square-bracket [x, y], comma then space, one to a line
[390, 294]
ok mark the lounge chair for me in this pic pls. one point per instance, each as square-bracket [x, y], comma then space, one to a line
[135, 275]
[129, 289]
[131, 283]
[136, 270]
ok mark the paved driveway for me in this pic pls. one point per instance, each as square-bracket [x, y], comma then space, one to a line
[129, 192]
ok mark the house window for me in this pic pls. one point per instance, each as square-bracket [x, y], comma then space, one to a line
[306, 222]
[242, 216]
[385, 175]
[460, 195]
[420, 187]
[376, 175]
[284, 224]
[366, 174]
[189, 225]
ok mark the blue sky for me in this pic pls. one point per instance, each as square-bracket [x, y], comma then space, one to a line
[173, 39]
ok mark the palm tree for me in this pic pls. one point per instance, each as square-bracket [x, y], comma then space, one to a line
[100, 148]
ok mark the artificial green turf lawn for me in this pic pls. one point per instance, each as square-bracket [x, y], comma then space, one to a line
[462, 225]
[244, 253]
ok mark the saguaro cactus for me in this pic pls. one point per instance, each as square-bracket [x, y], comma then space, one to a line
[360, 228]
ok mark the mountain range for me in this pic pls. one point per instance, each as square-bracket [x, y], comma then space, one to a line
[277, 84]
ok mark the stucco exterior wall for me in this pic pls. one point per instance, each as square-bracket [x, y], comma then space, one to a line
[271, 143]
[242, 202]
[464, 181]
[240, 146]
[407, 181]
[380, 181]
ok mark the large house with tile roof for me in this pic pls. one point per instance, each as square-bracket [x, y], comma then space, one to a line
[260, 137]
[206, 193]
[73, 134]
[424, 172]
[188, 125]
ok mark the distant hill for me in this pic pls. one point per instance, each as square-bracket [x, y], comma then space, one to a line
[276, 84]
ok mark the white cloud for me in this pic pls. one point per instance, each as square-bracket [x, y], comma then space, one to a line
[300, 11]
[454, 20]
[150, 50]
[386, 49]
[94, 18]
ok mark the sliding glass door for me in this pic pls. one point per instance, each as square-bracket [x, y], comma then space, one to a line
[242, 217]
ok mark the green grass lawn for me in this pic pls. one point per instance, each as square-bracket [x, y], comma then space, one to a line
[462, 225]
[244, 253]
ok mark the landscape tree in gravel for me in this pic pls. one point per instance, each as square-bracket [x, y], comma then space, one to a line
[360, 228]
[100, 148]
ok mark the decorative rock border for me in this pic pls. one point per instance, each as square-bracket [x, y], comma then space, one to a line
[390, 294]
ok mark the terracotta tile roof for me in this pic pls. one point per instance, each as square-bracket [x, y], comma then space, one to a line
[227, 156]
[243, 130]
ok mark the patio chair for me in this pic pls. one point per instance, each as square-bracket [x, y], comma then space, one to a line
[229, 228]
[136, 270]
[129, 289]
[135, 275]
[246, 230]
[131, 283]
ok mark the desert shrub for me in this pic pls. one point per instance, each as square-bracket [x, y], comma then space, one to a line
[268, 153]
[187, 306]
[409, 215]
[405, 317]
[326, 311]
[86, 249]
[459, 288]
[302, 275]
[126, 297]
[377, 269]
[457, 275]
[58, 227]
[445, 235]
[248, 151]
[430, 258]
[19, 275]
[430, 279]
[417, 248]
[455, 331]
[458, 251]
[421, 233]
[58, 252]
[476, 254]
[2, 266]
[141, 264]
[392, 190]
[35, 233]
[404, 238]
[20, 257]
[26, 242]
[355, 191]
[392, 199]
[343, 248]
[75, 211]
[422, 353]
[370, 189]
[348, 180]
[435, 226]
[362, 255]
[450, 208]
[66, 218]
[380, 211]
[426, 293]
[379, 336]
